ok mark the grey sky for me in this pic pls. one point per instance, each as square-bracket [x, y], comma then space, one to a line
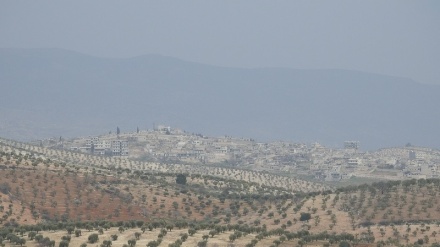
[399, 38]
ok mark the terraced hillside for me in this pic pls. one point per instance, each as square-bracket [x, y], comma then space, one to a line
[81, 159]
[56, 197]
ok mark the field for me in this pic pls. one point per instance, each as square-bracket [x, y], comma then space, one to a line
[66, 197]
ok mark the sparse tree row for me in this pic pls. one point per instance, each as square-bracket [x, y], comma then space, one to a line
[245, 175]
[117, 202]
[117, 188]
[155, 233]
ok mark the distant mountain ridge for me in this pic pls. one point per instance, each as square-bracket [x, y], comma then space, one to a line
[53, 92]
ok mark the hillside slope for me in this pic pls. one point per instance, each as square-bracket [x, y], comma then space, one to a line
[53, 92]
[63, 199]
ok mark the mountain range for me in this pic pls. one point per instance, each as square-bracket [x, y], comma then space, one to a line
[54, 92]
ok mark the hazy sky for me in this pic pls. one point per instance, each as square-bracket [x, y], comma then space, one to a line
[399, 38]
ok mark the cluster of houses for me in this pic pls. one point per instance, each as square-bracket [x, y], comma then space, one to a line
[98, 146]
[387, 163]
[165, 144]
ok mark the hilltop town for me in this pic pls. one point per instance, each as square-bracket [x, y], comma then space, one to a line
[311, 161]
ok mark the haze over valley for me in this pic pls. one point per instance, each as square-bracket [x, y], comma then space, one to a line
[54, 92]
[239, 123]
